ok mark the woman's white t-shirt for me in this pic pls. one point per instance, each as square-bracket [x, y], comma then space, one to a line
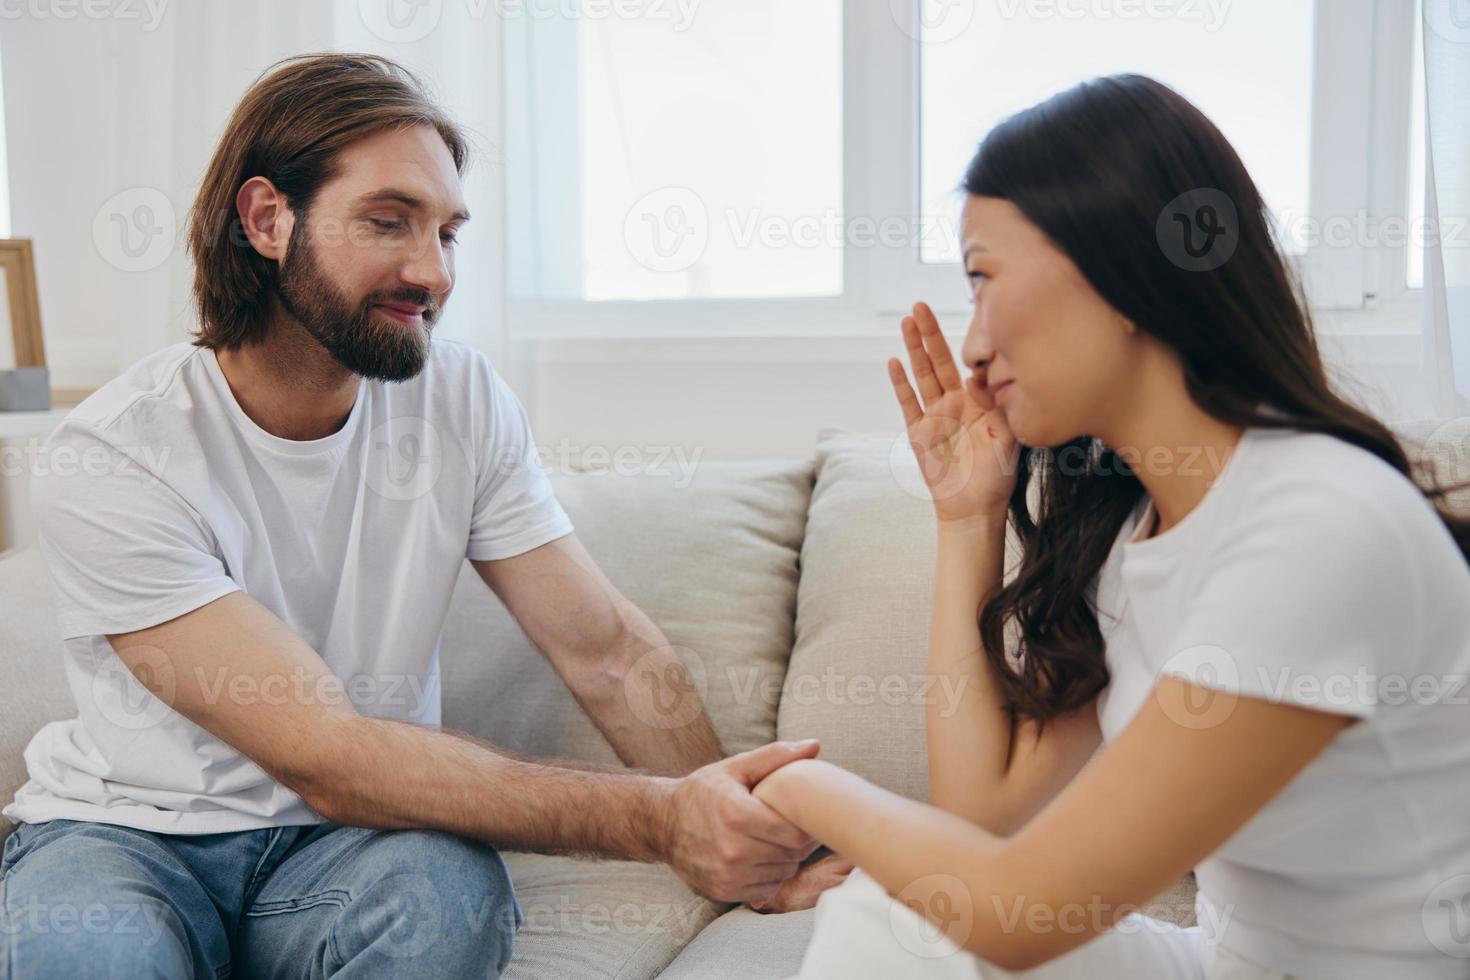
[158, 494]
[1313, 573]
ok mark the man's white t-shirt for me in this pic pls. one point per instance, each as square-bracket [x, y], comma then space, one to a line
[159, 495]
[1314, 574]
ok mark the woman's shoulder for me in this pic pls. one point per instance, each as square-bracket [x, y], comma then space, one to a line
[1315, 466]
[1316, 501]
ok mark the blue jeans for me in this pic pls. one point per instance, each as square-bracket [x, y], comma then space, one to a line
[84, 899]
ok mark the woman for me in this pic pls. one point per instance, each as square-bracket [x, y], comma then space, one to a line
[1229, 579]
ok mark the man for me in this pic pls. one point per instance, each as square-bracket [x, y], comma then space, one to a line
[265, 544]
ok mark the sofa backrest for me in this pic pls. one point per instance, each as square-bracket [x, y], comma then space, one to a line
[35, 690]
[713, 563]
[1441, 449]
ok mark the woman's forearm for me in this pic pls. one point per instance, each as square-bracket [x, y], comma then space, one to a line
[955, 874]
[968, 737]
[982, 766]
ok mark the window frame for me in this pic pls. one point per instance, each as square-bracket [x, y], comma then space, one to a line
[1360, 131]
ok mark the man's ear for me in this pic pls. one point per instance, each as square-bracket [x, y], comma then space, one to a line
[265, 216]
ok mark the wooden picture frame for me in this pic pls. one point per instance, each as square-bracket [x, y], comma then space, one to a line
[24, 301]
[19, 267]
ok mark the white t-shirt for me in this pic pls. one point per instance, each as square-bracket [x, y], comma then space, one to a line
[158, 494]
[1312, 573]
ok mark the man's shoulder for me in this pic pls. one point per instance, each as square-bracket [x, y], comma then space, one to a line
[457, 378]
[147, 392]
[455, 358]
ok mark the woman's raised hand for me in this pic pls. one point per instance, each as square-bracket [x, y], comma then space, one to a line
[965, 450]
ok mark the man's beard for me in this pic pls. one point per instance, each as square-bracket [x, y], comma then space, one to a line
[364, 341]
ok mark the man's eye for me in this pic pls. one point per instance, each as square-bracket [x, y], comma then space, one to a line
[450, 239]
[386, 225]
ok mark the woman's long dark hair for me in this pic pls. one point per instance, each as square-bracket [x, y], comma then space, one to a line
[1098, 169]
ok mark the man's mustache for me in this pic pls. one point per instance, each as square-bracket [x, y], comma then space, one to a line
[411, 297]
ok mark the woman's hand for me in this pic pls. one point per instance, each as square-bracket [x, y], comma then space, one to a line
[803, 889]
[964, 447]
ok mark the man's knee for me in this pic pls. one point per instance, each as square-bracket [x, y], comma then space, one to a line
[433, 898]
[68, 910]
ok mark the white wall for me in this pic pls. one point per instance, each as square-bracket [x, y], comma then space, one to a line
[111, 122]
[769, 396]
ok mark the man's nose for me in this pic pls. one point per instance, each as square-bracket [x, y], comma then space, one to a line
[430, 268]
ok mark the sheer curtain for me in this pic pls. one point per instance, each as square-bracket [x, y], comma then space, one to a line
[1447, 255]
[111, 121]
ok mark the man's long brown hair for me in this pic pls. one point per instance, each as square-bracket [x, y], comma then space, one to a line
[1094, 168]
[289, 128]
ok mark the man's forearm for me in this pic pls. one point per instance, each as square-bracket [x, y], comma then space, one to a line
[394, 775]
[641, 697]
[618, 665]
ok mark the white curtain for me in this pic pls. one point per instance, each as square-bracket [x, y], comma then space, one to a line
[111, 121]
[1446, 30]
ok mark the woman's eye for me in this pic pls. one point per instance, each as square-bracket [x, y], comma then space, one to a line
[974, 279]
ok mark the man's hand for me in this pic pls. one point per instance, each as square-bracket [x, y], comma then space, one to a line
[802, 891]
[722, 841]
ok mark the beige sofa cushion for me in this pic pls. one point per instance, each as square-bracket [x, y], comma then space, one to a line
[1442, 448]
[856, 678]
[714, 564]
[589, 920]
[36, 691]
[746, 945]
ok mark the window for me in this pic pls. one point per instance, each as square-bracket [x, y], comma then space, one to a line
[697, 158]
[774, 167]
[1005, 59]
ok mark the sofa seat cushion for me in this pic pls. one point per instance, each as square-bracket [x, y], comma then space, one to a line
[746, 945]
[593, 920]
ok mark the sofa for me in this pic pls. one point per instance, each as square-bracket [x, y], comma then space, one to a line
[796, 592]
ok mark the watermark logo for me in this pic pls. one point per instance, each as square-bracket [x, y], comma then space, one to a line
[932, 21]
[1446, 917]
[943, 916]
[1450, 19]
[1210, 14]
[134, 230]
[903, 465]
[666, 687]
[126, 698]
[1212, 682]
[1199, 230]
[405, 458]
[402, 916]
[1448, 448]
[400, 21]
[667, 230]
[149, 12]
